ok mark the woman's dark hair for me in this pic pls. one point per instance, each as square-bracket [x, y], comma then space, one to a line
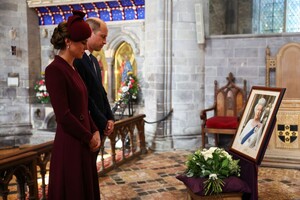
[59, 35]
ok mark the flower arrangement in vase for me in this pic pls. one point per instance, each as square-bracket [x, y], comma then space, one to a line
[128, 92]
[40, 89]
[129, 88]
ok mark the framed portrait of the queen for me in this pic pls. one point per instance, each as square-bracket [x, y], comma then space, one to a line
[257, 122]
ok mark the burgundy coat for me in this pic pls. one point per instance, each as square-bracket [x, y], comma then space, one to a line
[73, 173]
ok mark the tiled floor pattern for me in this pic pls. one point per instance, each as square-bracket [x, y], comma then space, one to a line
[281, 184]
[153, 176]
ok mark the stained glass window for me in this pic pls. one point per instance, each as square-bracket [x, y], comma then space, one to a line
[108, 11]
[293, 16]
[276, 16]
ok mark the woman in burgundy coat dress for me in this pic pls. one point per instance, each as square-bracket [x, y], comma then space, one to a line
[73, 173]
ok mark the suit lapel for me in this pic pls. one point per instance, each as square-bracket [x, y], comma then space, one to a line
[88, 62]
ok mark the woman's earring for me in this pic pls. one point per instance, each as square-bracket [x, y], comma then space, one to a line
[68, 46]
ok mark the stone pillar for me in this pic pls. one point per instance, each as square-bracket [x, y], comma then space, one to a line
[173, 75]
[158, 71]
[15, 126]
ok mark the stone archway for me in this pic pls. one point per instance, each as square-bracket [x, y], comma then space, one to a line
[125, 36]
[124, 62]
[123, 44]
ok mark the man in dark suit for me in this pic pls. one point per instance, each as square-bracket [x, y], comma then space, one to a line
[89, 70]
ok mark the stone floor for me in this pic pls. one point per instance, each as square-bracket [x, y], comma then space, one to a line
[153, 176]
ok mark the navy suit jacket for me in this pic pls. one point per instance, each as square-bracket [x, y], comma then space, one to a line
[98, 103]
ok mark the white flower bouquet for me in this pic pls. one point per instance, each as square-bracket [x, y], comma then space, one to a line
[129, 88]
[215, 164]
[41, 91]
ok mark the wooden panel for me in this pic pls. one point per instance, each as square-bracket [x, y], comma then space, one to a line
[239, 102]
[284, 146]
[288, 70]
[220, 104]
[230, 103]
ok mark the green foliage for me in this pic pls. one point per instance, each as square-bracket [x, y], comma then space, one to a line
[214, 164]
[40, 89]
[129, 89]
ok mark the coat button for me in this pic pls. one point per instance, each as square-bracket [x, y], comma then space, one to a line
[81, 117]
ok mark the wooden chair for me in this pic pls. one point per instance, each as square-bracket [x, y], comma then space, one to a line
[229, 102]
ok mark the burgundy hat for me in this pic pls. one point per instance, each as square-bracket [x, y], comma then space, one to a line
[78, 29]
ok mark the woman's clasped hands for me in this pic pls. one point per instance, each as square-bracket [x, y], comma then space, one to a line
[95, 142]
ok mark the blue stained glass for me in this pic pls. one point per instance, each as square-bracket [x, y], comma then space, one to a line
[293, 16]
[40, 20]
[271, 16]
[129, 14]
[108, 11]
[104, 15]
[76, 7]
[88, 6]
[139, 2]
[116, 15]
[141, 13]
[47, 20]
[92, 14]
[53, 9]
[126, 3]
[279, 7]
[100, 5]
[42, 9]
[268, 1]
[57, 18]
[113, 4]
[67, 15]
[65, 8]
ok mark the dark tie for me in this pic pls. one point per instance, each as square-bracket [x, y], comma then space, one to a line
[94, 60]
[96, 66]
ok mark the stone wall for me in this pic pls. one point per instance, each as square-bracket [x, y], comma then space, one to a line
[243, 55]
[15, 127]
[173, 75]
